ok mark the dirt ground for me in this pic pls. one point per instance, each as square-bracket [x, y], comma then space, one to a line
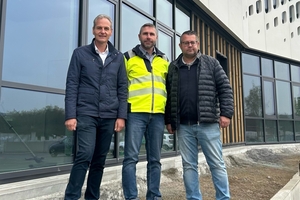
[257, 176]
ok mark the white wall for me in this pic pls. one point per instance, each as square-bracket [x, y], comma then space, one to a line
[234, 15]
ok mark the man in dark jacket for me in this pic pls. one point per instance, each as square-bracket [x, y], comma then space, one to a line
[95, 106]
[199, 102]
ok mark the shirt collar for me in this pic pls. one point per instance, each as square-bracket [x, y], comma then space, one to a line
[98, 52]
[145, 52]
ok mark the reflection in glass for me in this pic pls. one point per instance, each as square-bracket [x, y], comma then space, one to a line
[252, 96]
[168, 142]
[286, 131]
[250, 64]
[282, 71]
[271, 131]
[267, 67]
[146, 5]
[97, 7]
[38, 125]
[131, 30]
[269, 100]
[165, 44]
[254, 130]
[177, 48]
[182, 21]
[164, 12]
[283, 97]
[296, 99]
[295, 73]
[40, 37]
[297, 130]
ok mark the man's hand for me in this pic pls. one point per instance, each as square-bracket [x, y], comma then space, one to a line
[224, 122]
[71, 124]
[119, 125]
[169, 128]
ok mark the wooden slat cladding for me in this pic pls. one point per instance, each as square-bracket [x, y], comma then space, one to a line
[213, 43]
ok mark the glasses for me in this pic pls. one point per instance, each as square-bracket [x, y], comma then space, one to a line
[187, 43]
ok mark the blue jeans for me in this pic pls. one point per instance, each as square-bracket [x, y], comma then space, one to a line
[152, 127]
[93, 140]
[207, 135]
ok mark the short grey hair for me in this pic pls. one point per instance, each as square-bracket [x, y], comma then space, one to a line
[102, 16]
[148, 25]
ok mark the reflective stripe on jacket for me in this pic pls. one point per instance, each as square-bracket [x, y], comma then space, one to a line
[147, 91]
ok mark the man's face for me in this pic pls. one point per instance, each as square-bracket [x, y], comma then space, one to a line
[102, 30]
[148, 37]
[189, 45]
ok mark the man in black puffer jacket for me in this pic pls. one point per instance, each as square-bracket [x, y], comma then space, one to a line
[199, 102]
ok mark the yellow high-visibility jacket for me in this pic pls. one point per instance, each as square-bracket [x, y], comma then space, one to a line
[146, 81]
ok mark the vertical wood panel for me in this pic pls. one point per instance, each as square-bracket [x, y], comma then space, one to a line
[210, 42]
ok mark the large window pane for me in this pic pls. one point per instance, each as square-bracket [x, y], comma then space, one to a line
[250, 64]
[286, 131]
[296, 99]
[252, 96]
[267, 67]
[254, 130]
[282, 71]
[295, 73]
[271, 131]
[40, 37]
[165, 44]
[38, 124]
[269, 98]
[177, 48]
[164, 12]
[146, 5]
[130, 31]
[97, 7]
[182, 21]
[283, 97]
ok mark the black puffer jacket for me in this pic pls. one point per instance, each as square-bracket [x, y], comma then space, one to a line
[215, 96]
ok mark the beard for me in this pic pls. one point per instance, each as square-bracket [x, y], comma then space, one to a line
[147, 44]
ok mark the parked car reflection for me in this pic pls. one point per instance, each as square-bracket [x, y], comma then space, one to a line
[65, 147]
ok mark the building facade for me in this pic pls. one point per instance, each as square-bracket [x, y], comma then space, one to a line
[256, 41]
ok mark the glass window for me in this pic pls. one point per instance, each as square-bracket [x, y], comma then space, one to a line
[177, 48]
[283, 95]
[40, 37]
[168, 141]
[182, 21]
[282, 71]
[254, 130]
[165, 12]
[271, 131]
[129, 29]
[38, 132]
[297, 130]
[165, 44]
[250, 64]
[286, 131]
[252, 96]
[269, 100]
[146, 5]
[296, 99]
[295, 73]
[97, 7]
[267, 67]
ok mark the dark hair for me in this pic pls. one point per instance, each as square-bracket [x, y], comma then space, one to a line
[189, 32]
[148, 25]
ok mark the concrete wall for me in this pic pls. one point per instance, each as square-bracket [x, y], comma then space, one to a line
[282, 40]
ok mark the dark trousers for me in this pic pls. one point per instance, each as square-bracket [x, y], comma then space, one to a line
[93, 141]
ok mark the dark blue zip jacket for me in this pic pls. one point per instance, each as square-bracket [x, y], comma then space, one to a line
[96, 89]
